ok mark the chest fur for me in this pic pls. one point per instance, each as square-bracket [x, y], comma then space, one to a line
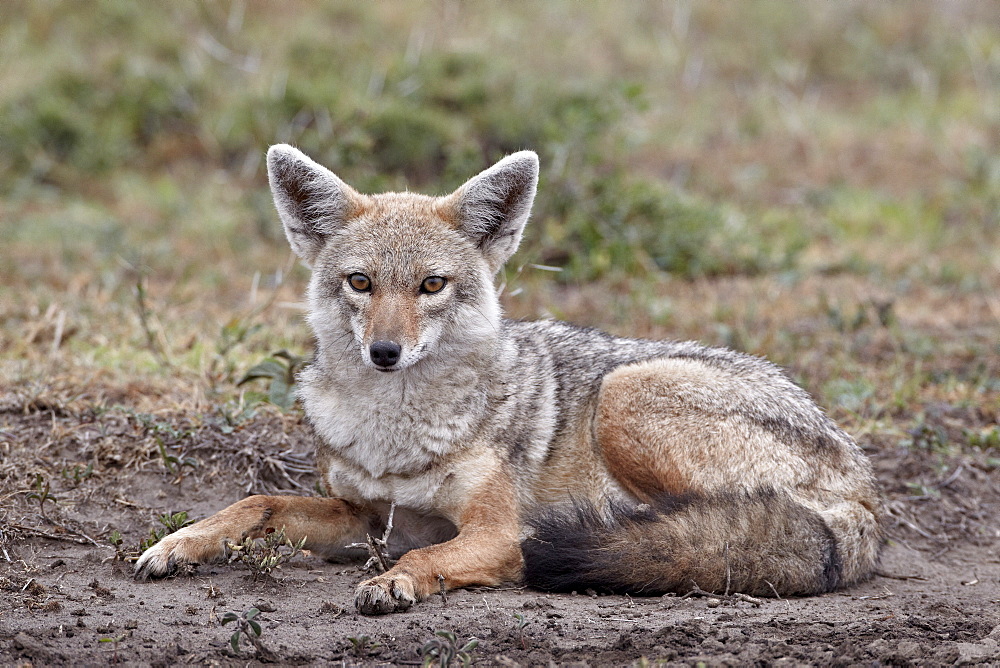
[390, 425]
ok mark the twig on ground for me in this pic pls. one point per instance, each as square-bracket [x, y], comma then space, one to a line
[885, 594]
[735, 596]
[81, 538]
[697, 591]
[946, 548]
[895, 512]
[747, 598]
[81, 535]
[444, 590]
[5, 539]
[377, 547]
[950, 479]
[777, 595]
[729, 572]
[883, 574]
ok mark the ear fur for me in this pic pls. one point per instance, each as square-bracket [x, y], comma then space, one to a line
[493, 206]
[311, 201]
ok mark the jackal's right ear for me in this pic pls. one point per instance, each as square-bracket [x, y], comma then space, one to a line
[493, 206]
[310, 199]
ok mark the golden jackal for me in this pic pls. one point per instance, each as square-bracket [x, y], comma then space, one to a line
[534, 451]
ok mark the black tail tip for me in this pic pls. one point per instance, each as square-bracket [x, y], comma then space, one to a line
[568, 549]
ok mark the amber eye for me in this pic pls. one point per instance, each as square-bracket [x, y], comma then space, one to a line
[433, 284]
[360, 282]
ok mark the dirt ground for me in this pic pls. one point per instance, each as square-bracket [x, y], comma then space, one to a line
[67, 601]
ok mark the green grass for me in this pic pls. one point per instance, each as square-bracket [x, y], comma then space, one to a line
[755, 174]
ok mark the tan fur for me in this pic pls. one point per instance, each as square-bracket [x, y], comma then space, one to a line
[444, 210]
[650, 424]
[358, 205]
[393, 318]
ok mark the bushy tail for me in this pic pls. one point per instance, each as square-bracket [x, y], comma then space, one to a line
[763, 543]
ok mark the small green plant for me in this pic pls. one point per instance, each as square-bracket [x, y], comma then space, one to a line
[173, 463]
[842, 319]
[233, 334]
[153, 424]
[280, 368]
[645, 662]
[264, 555]
[117, 541]
[154, 338]
[442, 650]
[115, 640]
[41, 493]
[235, 413]
[521, 623]
[921, 490]
[176, 521]
[249, 630]
[929, 438]
[155, 535]
[171, 522]
[78, 473]
[363, 646]
[984, 440]
[164, 432]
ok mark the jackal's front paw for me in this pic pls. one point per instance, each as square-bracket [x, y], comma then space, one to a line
[182, 547]
[392, 592]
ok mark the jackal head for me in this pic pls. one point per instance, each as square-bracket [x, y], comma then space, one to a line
[398, 277]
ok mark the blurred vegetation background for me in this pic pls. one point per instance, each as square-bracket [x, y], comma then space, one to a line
[711, 170]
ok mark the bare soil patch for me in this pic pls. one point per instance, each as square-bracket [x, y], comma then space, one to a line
[66, 600]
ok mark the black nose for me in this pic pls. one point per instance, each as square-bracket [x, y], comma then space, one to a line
[385, 353]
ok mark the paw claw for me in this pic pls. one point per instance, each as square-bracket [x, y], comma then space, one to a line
[155, 563]
[403, 600]
[383, 595]
[170, 553]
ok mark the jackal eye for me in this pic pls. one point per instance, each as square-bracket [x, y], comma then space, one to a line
[360, 282]
[432, 284]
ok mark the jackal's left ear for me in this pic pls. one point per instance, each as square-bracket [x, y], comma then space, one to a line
[310, 199]
[493, 206]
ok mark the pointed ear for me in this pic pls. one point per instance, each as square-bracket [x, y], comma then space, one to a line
[311, 201]
[493, 207]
